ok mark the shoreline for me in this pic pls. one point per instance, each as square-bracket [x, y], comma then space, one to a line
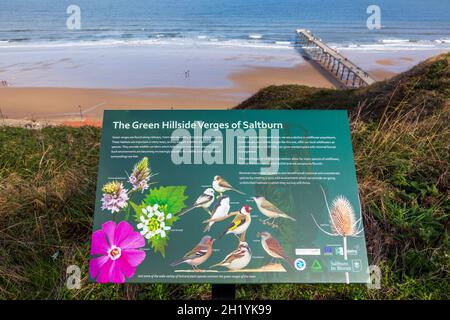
[63, 104]
[229, 78]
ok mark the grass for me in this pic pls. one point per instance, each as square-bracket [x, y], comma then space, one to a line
[400, 135]
[423, 89]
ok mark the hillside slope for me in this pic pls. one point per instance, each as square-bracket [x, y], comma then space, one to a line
[426, 85]
[400, 132]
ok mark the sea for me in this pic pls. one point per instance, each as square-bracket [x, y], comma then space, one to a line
[404, 24]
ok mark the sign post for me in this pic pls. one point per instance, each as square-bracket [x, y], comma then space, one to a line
[227, 197]
[223, 291]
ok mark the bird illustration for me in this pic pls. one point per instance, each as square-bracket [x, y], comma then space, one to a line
[273, 247]
[240, 223]
[220, 210]
[203, 201]
[238, 259]
[221, 185]
[198, 255]
[268, 209]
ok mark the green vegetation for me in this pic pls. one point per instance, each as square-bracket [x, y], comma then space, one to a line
[423, 89]
[400, 134]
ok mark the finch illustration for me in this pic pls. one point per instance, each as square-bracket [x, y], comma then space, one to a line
[273, 247]
[240, 223]
[238, 259]
[199, 254]
[221, 185]
[203, 201]
[268, 209]
[220, 210]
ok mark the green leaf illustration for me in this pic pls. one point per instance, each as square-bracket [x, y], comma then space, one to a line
[159, 245]
[170, 200]
[137, 209]
[173, 197]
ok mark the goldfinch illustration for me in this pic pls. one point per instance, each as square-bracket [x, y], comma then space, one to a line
[268, 209]
[240, 223]
[221, 185]
[220, 210]
[198, 255]
[203, 201]
[273, 247]
[238, 259]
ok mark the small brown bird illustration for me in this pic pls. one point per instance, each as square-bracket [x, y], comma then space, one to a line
[237, 259]
[221, 185]
[198, 255]
[268, 209]
[273, 247]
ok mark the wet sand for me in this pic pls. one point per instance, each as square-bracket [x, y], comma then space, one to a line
[66, 103]
[219, 82]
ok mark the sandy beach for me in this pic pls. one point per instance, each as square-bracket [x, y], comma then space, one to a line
[79, 85]
[66, 103]
[76, 85]
[160, 54]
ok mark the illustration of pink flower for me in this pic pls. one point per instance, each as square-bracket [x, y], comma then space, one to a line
[115, 197]
[116, 248]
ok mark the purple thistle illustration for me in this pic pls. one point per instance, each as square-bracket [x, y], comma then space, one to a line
[115, 197]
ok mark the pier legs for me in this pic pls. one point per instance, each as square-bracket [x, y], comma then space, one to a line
[331, 60]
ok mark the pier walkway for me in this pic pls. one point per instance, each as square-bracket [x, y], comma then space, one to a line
[345, 71]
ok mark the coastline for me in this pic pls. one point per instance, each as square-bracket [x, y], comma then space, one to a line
[75, 86]
[63, 104]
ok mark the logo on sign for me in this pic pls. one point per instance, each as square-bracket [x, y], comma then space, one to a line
[300, 264]
[316, 266]
[356, 265]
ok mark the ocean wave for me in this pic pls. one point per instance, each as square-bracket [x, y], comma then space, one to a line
[154, 40]
[18, 40]
[394, 41]
[18, 30]
[395, 45]
[255, 36]
[284, 43]
[175, 39]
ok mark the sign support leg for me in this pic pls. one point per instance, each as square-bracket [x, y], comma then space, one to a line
[223, 292]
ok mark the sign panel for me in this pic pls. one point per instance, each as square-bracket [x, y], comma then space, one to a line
[227, 197]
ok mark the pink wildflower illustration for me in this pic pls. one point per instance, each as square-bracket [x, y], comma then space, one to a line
[116, 251]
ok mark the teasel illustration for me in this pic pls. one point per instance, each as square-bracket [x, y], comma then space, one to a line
[343, 222]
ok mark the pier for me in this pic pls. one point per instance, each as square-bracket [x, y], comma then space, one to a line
[345, 71]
